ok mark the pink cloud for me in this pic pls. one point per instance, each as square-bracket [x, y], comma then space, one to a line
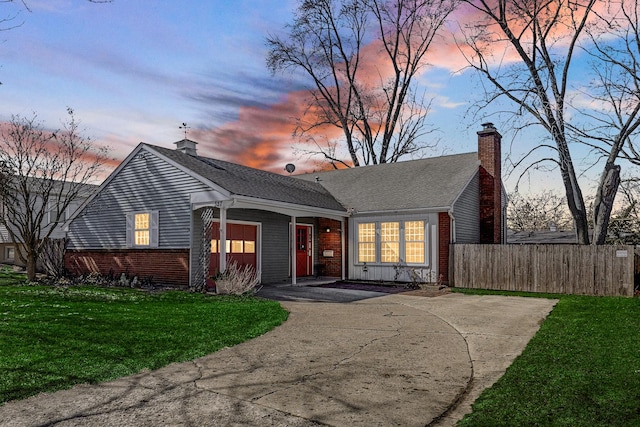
[44, 145]
[261, 137]
[447, 54]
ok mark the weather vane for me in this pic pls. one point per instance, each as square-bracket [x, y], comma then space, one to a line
[186, 129]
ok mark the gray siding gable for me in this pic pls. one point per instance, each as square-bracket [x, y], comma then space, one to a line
[466, 211]
[144, 182]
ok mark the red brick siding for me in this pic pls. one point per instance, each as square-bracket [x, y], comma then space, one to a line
[161, 266]
[489, 154]
[331, 240]
[444, 238]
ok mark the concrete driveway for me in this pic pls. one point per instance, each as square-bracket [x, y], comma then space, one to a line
[383, 360]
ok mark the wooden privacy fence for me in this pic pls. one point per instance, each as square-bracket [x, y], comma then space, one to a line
[563, 269]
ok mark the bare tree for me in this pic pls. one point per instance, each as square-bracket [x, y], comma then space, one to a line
[612, 113]
[362, 57]
[41, 174]
[537, 212]
[541, 37]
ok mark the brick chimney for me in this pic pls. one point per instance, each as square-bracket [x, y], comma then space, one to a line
[187, 146]
[489, 154]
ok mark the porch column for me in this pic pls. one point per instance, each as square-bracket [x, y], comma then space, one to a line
[293, 250]
[222, 247]
[342, 249]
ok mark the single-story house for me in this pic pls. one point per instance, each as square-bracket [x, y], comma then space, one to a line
[542, 237]
[178, 218]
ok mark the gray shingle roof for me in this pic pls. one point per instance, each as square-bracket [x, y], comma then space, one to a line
[415, 184]
[245, 181]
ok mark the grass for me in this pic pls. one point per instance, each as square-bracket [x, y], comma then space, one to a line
[582, 368]
[53, 338]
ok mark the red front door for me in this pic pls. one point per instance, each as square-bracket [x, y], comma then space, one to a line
[303, 251]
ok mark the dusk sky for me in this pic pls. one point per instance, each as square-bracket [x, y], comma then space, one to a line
[135, 70]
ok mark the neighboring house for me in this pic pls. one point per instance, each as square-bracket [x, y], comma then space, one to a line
[542, 237]
[163, 214]
[8, 247]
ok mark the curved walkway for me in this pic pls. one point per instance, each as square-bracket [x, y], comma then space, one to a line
[391, 360]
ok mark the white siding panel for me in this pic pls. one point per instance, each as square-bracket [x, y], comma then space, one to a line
[144, 184]
[467, 213]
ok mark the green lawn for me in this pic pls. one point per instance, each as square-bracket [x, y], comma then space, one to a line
[582, 368]
[52, 338]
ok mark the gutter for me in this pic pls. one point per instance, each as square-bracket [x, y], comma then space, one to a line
[435, 209]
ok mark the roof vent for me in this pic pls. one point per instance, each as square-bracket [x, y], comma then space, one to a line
[187, 146]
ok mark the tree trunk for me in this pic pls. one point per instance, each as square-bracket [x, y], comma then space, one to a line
[582, 227]
[31, 266]
[575, 201]
[603, 203]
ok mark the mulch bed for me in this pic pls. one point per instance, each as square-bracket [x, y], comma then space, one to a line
[425, 291]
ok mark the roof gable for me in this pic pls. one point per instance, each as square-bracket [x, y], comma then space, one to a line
[415, 184]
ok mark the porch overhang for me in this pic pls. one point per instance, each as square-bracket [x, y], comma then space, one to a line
[209, 198]
[224, 203]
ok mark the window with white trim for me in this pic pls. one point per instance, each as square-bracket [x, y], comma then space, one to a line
[414, 243]
[389, 242]
[142, 229]
[367, 242]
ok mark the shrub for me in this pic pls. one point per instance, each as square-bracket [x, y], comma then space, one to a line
[52, 257]
[236, 280]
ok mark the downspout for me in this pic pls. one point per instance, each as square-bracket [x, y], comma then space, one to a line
[452, 240]
[343, 264]
[292, 250]
[452, 237]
